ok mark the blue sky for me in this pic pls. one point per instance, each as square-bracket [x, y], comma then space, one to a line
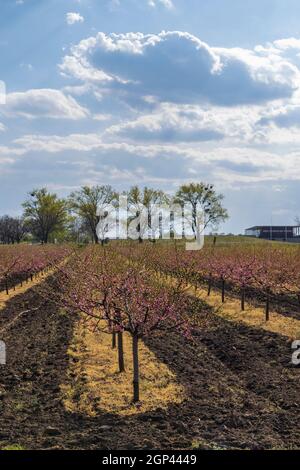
[155, 92]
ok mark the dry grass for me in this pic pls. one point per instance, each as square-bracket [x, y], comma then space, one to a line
[98, 386]
[23, 287]
[18, 290]
[252, 316]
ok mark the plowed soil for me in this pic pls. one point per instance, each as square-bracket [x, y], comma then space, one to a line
[241, 390]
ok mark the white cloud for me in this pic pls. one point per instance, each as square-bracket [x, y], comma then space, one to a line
[54, 143]
[166, 3]
[6, 151]
[72, 18]
[176, 109]
[102, 117]
[288, 43]
[188, 123]
[179, 67]
[78, 68]
[152, 3]
[25, 66]
[225, 166]
[43, 103]
[78, 143]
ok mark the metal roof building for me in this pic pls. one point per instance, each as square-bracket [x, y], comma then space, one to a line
[275, 232]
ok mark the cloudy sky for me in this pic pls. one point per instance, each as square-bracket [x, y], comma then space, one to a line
[154, 92]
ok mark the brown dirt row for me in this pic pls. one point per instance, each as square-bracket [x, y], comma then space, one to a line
[254, 316]
[241, 391]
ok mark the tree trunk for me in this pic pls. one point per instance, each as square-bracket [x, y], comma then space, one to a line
[268, 307]
[95, 236]
[121, 352]
[243, 299]
[113, 340]
[223, 290]
[209, 286]
[136, 383]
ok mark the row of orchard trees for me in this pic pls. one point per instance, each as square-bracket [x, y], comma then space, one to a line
[21, 263]
[114, 297]
[270, 272]
[76, 218]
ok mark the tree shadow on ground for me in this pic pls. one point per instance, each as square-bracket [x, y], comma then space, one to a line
[240, 390]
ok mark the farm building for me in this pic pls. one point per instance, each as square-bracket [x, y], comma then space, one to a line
[280, 233]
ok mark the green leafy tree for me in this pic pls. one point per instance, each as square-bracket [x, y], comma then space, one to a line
[45, 214]
[88, 201]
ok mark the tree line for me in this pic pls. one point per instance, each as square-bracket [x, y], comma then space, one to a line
[12, 229]
[48, 218]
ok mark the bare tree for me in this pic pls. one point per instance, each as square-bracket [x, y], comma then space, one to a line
[201, 197]
[142, 207]
[12, 229]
